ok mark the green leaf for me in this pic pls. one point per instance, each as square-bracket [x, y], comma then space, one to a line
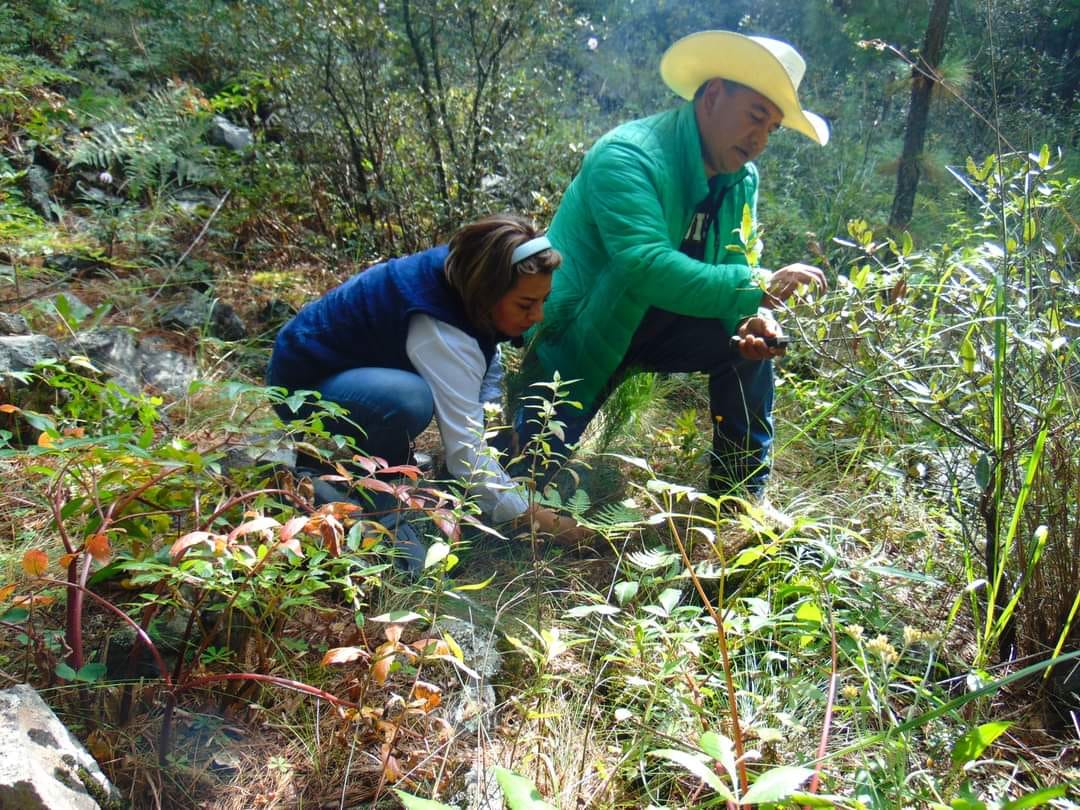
[15, 615]
[1036, 798]
[398, 617]
[809, 612]
[982, 472]
[721, 749]
[410, 802]
[698, 768]
[625, 591]
[436, 554]
[520, 793]
[907, 244]
[967, 354]
[972, 744]
[66, 672]
[776, 785]
[1044, 156]
[474, 586]
[587, 610]
[89, 673]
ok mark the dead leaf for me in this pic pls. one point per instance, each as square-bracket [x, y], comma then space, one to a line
[75, 432]
[6, 591]
[343, 655]
[35, 562]
[393, 632]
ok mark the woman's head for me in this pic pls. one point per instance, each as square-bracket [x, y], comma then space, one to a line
[499, 294]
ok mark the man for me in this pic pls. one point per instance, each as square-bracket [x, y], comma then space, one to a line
[648, 280]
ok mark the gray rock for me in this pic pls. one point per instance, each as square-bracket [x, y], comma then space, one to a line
[12, 324]
[166, 370]
[112, 349]
[43, 767]
[21, 352]
[201, 311]
[224, 133]
[38, 188]
[480, 789]
[475, 704]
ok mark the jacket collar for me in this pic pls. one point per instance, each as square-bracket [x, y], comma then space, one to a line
[692, 165]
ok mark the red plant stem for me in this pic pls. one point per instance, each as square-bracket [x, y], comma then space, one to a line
[827, 723]
[139, 632]
[285, 683]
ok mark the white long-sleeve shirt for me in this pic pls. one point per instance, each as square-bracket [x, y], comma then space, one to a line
[452, 364]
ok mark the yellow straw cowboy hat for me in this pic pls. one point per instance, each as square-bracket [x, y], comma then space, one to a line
[769, 66]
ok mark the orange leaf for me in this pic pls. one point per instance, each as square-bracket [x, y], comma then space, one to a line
[35, 599]
[332, 535]
[75, 432]
[35, 562]
[66, 560]
[45, 440]
[187, 541]
[343, 655]
[6, 408]
[432, 647]
[381, 668]
[6, 591]
[98, 547]
[428, 694]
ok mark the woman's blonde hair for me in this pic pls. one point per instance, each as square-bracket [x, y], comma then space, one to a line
[479, 267]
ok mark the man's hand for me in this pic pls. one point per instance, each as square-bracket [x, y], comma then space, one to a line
[787, 280]
[563, 529]
[752, 333]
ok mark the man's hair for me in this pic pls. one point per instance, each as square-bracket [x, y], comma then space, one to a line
[730, 85]
[479, 267]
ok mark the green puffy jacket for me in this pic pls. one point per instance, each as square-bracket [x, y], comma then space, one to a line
[619, 228]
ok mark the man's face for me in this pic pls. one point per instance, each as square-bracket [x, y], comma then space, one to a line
[735, 123]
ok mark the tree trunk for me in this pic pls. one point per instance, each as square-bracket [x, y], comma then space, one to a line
[922, 84]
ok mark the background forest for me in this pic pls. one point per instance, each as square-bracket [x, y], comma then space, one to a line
[178, 177]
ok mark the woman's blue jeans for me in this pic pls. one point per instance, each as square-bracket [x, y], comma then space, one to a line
[391, 406]
[740, 396]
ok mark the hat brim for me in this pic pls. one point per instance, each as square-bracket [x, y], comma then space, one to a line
[697, 58]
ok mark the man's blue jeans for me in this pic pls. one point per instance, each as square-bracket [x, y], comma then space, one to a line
[740, 395]
[391, 406]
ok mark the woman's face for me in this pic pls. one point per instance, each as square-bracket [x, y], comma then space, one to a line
[523, 306]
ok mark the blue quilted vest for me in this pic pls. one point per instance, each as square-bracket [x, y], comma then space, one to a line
[364, 322]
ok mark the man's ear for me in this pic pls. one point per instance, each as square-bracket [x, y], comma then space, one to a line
[716, 92]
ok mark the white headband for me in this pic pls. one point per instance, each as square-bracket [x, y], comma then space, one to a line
[530, 248]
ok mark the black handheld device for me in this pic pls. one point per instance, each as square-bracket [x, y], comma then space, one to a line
[773, 342]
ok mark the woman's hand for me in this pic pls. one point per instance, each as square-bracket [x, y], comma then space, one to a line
[785, 281]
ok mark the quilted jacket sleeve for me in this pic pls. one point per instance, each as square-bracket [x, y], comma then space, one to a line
[627, 196]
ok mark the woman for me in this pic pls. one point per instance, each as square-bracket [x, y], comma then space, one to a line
[416, 336]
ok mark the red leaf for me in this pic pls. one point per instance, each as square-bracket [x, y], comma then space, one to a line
[257, 525]
[375, 484]
[292, 527]
[187, 541]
